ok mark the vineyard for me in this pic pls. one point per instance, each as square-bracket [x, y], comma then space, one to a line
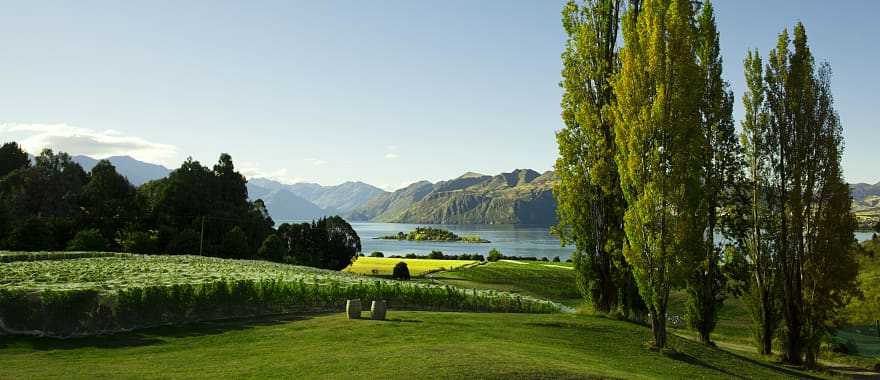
[68, 295]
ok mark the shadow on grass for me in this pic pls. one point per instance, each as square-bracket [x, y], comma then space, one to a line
[153, 335]
[722, 354]
[683, 357]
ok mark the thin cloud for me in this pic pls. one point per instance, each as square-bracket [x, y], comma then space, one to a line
[391, 156]
[316, 161]
[251, 171]
[97, 144]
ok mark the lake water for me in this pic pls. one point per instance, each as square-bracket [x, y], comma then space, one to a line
[511, 240]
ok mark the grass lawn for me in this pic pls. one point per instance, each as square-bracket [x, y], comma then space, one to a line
[554, 281]
[384, 266]
[409, 345]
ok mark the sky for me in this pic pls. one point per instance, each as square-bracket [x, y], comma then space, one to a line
[387, 92]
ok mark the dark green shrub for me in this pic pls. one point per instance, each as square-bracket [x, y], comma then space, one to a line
[235, 244]
[436, 255]
[185, 242]
[31, 234]
[89, 240]
[377, 254]
[272, 249]
[556, 259]
[401, 271]
[494, 255]
[140, 242]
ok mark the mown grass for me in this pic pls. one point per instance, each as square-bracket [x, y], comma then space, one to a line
[408, 345]
[554, 281]
[384, 266]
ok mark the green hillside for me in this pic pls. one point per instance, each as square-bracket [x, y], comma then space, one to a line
[408, 345]
[519, 197]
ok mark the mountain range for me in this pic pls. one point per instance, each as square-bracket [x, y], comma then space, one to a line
[866, 198]
[137, 172]
[522, 196]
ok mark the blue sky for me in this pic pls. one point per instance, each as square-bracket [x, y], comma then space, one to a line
[327, 91]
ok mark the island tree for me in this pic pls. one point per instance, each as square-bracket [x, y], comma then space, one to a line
[590, 204]
[657, 130]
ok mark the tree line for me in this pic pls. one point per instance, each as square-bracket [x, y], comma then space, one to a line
[659, 192]
[51, 203]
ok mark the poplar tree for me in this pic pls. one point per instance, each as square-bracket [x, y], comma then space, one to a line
[657, 130]
[721, 166]
[817, 264]
[763, 282]
[590, 204]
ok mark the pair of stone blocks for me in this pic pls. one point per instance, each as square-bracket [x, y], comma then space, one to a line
[354, 309]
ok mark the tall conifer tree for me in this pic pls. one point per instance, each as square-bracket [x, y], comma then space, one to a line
[657, 130]
[722, 168]
[815, 235]
[760, 247]
[590, 203]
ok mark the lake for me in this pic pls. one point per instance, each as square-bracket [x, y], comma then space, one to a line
[511, 240]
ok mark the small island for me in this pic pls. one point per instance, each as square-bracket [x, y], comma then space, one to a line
[433, 234]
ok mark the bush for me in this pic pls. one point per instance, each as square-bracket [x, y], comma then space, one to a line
[140, 242]
[401, 271]
[235, 244]
[495, 255]
[436, 255]
[272, 249]
[377, 254]
[88, 240]
[185, 242]
[32, 234]
[556, 259]
[544, 259]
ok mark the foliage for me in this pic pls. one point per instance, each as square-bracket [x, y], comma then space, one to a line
[272, 249]
[235, 243]
[764, 284]
[12, 157]
[590, 204]
[811, 206]
[88, 240]
[400, 272]
[376, 254]
[329, 243]
[107, 294]
[494, 255]
[434, 234]
[657, 130]
[721, 161]
[142, 242]
[30, 234]
[108, 201]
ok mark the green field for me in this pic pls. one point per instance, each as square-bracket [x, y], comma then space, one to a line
[84, 296]
[383, 266]
[318, 342]
[408, 345]
[549, 280]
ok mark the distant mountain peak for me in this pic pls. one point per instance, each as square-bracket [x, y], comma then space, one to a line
[472, 175]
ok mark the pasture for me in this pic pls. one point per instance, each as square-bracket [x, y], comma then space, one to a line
[408, 345]
[383, 266]
[549, 280]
